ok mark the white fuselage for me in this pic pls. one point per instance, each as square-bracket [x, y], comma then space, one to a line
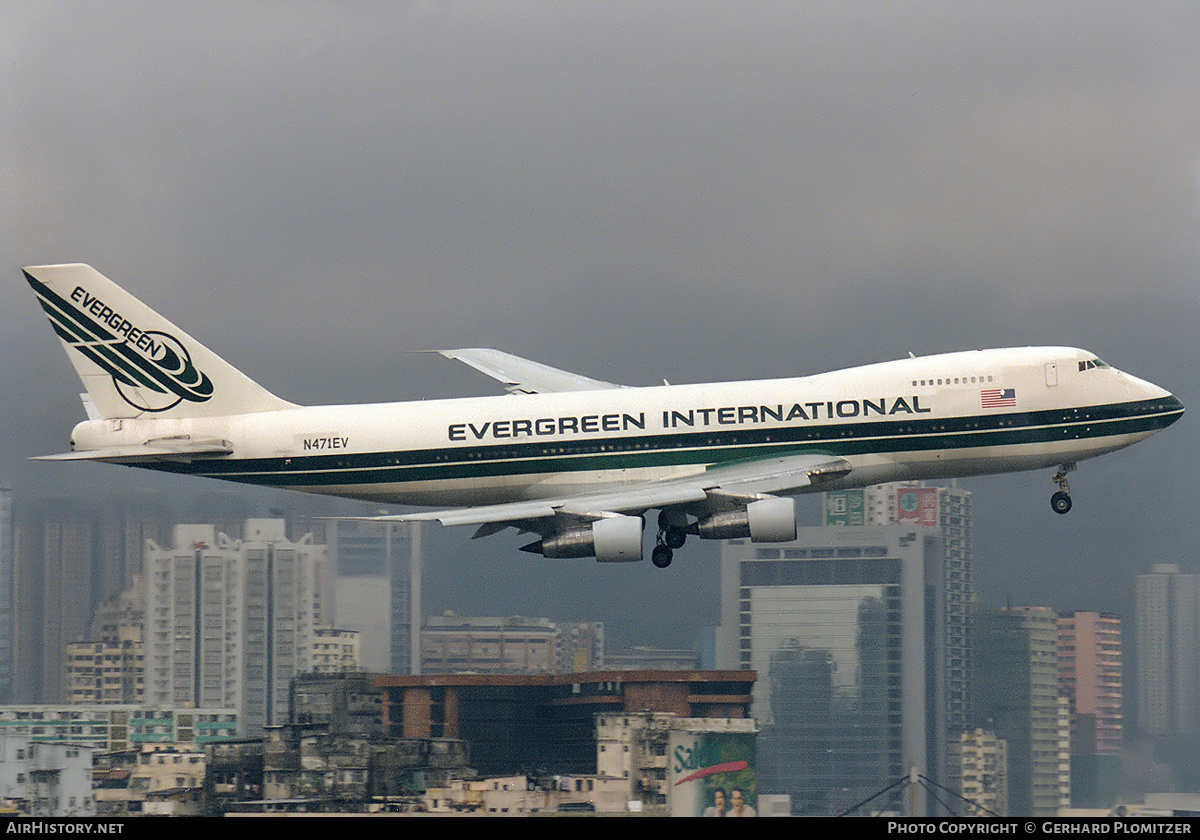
[957, 414]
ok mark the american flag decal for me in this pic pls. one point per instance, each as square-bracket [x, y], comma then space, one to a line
[998, 398]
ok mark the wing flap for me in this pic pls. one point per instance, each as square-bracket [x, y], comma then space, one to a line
[484, 515]
[778, 475]
[719, 487]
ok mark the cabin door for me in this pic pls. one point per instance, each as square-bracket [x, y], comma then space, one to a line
[1051, 374]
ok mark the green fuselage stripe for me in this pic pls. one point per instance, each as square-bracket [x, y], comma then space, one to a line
[717, 445]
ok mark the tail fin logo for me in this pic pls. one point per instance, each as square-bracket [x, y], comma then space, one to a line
[151, 370]
[171, 364]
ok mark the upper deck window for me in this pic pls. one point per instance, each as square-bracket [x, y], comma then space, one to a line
[958, 380]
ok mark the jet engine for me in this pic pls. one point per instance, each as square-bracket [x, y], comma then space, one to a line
[614, 539]
[766, 520]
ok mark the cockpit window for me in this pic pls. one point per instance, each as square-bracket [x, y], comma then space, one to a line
[1092, 363]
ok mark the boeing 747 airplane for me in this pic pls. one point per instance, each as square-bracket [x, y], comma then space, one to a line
[577, 461]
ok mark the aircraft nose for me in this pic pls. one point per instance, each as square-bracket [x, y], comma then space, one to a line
[1154, 400]
[1172, 408]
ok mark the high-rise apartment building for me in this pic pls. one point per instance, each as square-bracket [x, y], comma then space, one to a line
[53, 592]
[230, 622]
[1168, 651]
[844, 628]
[1017, 697]
[978, 772]
[6, 596]
[101, 673]
[1089, 676]
[125, 523]
[1090, 679]
[950, 511]
[110, 668]
[377, 583]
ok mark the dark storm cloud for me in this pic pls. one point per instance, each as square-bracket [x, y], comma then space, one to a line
[636, 191]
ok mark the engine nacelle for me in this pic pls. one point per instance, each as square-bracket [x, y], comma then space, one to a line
[767, 520]
[614, 539]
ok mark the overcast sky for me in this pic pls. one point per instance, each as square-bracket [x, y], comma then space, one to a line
[634, 191]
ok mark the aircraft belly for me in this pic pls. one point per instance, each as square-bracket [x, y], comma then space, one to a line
[984, 460]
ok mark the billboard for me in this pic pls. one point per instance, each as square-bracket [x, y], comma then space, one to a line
[845, 508]
[712, 774]
[918, 505]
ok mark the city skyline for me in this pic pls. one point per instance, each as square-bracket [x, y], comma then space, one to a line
[946, 520]
[444, 592]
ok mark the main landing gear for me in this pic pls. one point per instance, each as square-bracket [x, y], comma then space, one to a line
[661, 556]
[671, 535]
[1060, 502]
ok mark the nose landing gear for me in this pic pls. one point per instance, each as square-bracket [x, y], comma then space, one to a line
[1060, 502]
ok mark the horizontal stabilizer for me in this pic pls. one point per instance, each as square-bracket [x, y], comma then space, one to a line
[163, 449]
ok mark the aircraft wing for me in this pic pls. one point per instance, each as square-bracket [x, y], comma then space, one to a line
[163, 449]
[723, 487]
[521, 376]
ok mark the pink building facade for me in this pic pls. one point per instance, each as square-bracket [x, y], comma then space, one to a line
[1089, 675]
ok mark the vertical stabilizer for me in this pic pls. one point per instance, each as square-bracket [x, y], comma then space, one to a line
[134, 362]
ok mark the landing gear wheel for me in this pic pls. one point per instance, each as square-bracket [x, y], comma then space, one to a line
[672, 532]
[661, 556]
[674, 537]
[1060, 502]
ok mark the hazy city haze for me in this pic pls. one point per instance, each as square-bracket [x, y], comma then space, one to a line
[634, 191]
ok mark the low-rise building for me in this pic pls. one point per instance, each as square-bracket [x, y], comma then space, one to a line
[334, 651]
[638, 749]
[346, 702]
[341, 771]
[457, 644]
[547, 721]
[233, 774]
[115, 727]
[168, 782]
[521, 794]
[46, 779]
